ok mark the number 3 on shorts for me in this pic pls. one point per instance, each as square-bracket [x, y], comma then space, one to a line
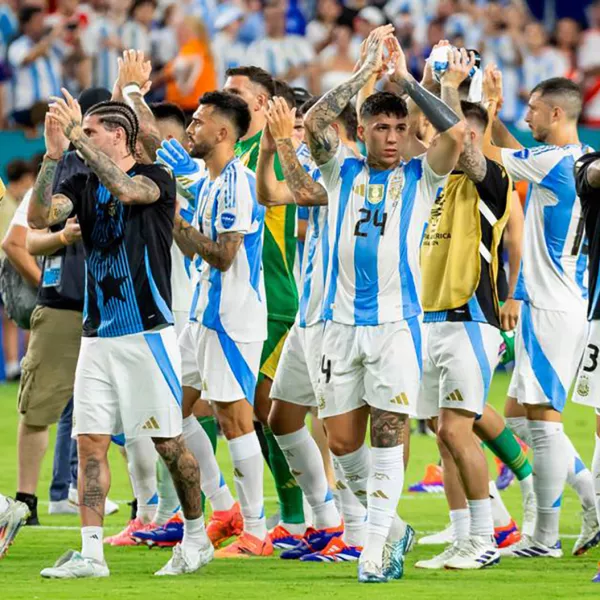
[593, 358]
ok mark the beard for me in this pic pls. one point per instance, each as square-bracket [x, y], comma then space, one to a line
[200, 150]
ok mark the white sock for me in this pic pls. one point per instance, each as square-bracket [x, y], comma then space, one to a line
[248, 467]
[3, 503]
[480, 513]
[141, 462]
[526, 485]
[579, 477]
[550, 456]
[213, 485]
[384, 487]
[500, 515]
[306, 465]
[91, 543]
[194, 534]
[519, 426]
[460, 520]
[353, 512]
[596, 474]
[168, 501]
[356, 467]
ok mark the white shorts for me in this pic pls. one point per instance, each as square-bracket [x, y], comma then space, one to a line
[378, 365]
[221, 369]
[129, 384]
[548, 349]
[459, 361]
[587, 388]
[297, 374]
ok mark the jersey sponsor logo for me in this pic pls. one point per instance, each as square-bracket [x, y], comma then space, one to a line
[151, 424]
[227, 220]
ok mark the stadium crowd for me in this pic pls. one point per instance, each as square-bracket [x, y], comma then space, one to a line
[249, 216]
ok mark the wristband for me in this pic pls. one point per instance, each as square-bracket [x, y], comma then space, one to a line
[51, 157]
[63, 239]
[131, 88]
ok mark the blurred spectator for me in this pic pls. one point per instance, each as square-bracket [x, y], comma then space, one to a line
[136, 31]
[164, 38]
[319, 31]
[589, 64]
[254, 26]
[227, 50]
[567, 38]
[284, 56]
[335, 66]
[36, 61]
[458, 22]
[366, 20]
[20, 176]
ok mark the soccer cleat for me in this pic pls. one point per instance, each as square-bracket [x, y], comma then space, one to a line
[314, 540]
[432, 483]
[11, 520]
[505, 476]
[473, 553]
[282, 539]
[590, 532]
[246, 545]
[62, 507]
[224, 524]
[442, 538]
[165, 536]
[124, 537]
[187, 561]
[336, 551]
[507, 536]
[394, 553]
[439, 561]
[529, 548]
[369, 572]
[110, 507]
[529, 514]
[72, 565]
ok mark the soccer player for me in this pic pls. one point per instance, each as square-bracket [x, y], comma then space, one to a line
[462, 321]
[127, 377]
[371, 356]
[222, 343]
[587, 177]
[552, 326]
[256, 87]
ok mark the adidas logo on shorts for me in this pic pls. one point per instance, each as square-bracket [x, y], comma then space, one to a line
[401, 399]
[151, 424]
[454, 396]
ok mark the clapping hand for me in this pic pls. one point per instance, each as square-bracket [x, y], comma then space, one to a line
[67, 113]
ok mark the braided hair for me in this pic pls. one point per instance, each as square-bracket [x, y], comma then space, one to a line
[117, 114]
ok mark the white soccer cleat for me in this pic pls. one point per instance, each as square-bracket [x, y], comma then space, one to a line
[184, 561]
[11, 520]
[530, 548]
[62, 507]
[474, 553]
[529, 514]
[439, 561]
[110, 507]
[590, 532]
[72, 565]
[442, 538]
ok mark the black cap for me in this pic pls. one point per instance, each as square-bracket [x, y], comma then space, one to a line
[92, 96]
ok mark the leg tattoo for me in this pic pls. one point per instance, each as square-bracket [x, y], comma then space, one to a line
[387, 428]
[93, 495]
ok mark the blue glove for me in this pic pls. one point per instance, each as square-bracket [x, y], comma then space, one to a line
[176, 157]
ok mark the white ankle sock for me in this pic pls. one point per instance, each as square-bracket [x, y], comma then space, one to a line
[480, 514]
[211, 480]
[519, 426]
[526, 485]
[353, 512]
[194, 534]
[356, 466]
[461, 522]
[384, 487]
[168, 502]
[500, 515]
[91, 543]
[3, 503]
[550, 458]
[596, 474]
[141, 461]
[579, 477]
[306, 465]
[248, 467]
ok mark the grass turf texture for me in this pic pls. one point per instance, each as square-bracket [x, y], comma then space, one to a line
[132, 568]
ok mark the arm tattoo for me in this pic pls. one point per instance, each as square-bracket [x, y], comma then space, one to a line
[387, 428]
[184, 471]
[322, 138]
[129, 190]
[39, 209]
[148, 133]
[305, 190]
[94, 495]
[219, 254]
[61, 208]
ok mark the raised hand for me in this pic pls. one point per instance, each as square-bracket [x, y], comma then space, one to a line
[56, 142]
[133, 69]
[428, 81]
[280, 118]
[177, 158]
[374, 48]
[67, 113]
[460, 65]
[398, 60]
[492, 86]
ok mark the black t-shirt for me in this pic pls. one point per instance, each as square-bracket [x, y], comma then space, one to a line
[128, 254]
[494, 192]
[590, 204]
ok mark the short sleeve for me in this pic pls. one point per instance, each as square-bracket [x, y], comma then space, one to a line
[20, 216]
[72, 187]
[529, 164]
[90, 41]
[581, 167]
[430, 182]
[495, 187]
[17, 52]
[330, 171]
[235, 203]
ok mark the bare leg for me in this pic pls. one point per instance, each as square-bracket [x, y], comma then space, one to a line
[32, 443]
[94, 478]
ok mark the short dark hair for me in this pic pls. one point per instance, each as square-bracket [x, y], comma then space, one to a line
[164, 111]
[18, 168]
[566, 92]
[474, 110]
[232, 107]
[255, 75]
[117, 114]
[285, 91]
[27, 13]
[347, 118]
[137, 3]
[384, 103]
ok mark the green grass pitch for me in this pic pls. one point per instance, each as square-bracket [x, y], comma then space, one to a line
[132, 568]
